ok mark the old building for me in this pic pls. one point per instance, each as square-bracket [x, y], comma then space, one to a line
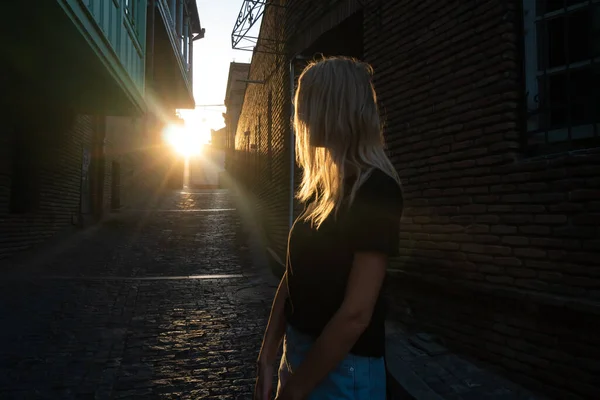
[218, 138]
[85, 88]
[234, 97]
[492, 119]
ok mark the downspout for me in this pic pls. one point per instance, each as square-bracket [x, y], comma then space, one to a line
[292, 138]
[292, 145]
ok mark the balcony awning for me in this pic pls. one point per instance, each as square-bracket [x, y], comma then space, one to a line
[57, 56]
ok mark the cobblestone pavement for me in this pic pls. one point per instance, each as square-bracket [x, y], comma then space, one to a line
[163, 302]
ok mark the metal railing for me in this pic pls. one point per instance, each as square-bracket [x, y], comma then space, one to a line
[250, 15]
[562, 72]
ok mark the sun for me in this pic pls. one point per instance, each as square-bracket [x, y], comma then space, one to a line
[186, 140]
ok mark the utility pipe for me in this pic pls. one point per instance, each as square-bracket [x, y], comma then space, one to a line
[292, 144]
[292, 137]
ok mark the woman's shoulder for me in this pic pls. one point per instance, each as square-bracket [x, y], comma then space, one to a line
[380, 184]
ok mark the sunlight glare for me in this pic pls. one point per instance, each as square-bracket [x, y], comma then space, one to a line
[184, 140]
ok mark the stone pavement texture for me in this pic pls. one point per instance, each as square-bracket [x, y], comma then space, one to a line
[425, 369]
[158, 303]
[170, 301]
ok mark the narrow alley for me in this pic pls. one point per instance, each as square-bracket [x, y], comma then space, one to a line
[157, 302]
[157, 156]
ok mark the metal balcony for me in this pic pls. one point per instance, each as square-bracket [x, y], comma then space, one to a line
[245, 31]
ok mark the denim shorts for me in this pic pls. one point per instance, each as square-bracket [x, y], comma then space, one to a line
[355, 377]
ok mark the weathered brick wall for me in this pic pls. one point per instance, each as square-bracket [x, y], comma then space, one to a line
[502, 247]
[127, 143]
[308, 20]
[59, 168]
[234, 98]
[266, 168]
[499, 249]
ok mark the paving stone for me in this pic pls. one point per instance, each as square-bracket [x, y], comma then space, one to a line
[444, 376]
[95, 321]
[117, 315]
[427, 345]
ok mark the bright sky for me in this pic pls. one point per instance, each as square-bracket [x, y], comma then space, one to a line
[212, 56]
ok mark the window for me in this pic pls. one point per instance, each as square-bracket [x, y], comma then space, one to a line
[562, 74]
[131, 10]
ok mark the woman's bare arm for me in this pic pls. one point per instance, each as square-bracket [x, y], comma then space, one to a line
[344, 328]
[276, 326]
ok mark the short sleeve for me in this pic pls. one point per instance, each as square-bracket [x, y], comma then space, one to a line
[374, 216]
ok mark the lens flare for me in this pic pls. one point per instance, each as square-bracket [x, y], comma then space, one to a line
[183, 140]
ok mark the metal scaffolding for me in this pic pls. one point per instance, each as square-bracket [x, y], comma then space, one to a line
[250, 15]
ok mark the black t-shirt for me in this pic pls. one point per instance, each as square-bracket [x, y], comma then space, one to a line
[319, 261]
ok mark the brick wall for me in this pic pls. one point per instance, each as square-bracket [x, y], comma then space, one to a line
[58, 175]
[234, 97]
[59, 168]
[499, 248]
[266, 168]
[127, 143]
[503, 246]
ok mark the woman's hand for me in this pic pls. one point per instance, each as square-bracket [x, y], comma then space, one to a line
[271, 343]
[264, 382]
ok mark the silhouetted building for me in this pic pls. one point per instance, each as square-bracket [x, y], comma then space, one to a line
[234, 97]
[218, 138]
[85, 89]
[492, 119]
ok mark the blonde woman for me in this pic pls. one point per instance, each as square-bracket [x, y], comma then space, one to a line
[328, 310]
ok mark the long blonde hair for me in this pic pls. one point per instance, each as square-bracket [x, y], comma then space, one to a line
[338, 133]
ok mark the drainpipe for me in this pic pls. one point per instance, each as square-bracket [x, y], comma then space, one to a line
[292, 144]
[292, 136]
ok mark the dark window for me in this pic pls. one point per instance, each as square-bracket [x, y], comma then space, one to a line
[562, 45]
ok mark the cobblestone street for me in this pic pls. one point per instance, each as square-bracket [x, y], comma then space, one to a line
[163, 301]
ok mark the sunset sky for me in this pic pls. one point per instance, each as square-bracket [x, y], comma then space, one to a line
[212, 56]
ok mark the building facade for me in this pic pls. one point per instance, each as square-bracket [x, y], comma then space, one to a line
[492, 119]
[85, 87]
[218, 138]
[234, 97]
